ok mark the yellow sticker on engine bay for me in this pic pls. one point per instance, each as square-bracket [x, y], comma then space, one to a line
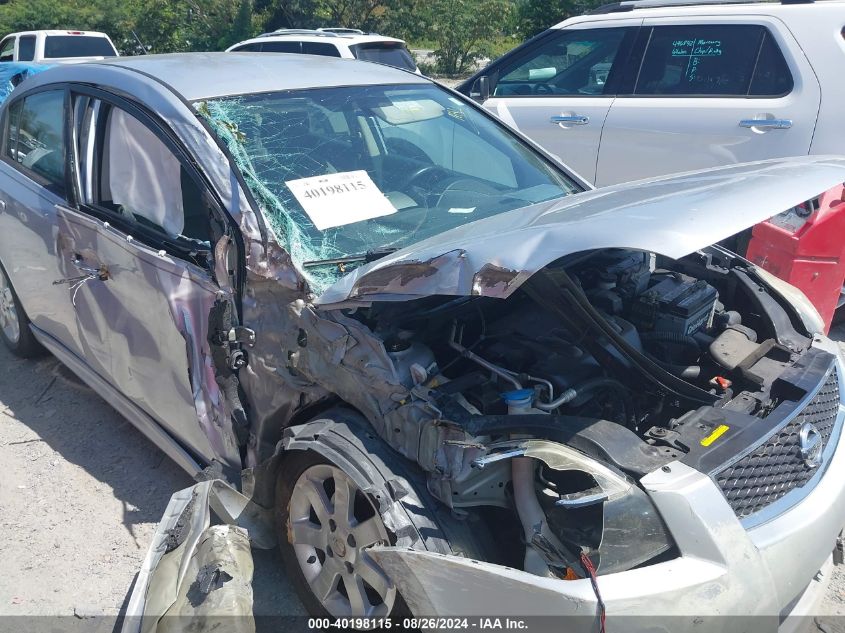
[718, 432]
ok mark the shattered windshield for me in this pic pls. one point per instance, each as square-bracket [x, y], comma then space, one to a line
[341, 173]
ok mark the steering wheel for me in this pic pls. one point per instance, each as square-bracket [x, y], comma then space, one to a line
[419, 173]
[544, 89]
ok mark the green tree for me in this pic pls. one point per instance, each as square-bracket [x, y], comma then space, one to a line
[463, 30]
[161, 25]
[535, 16]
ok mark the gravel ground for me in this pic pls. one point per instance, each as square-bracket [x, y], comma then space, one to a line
[82, 492]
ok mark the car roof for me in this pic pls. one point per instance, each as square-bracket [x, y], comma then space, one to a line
[334, 38]
[61, 32]
[208, 75]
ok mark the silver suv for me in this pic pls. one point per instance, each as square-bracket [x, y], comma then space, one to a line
[646, 88]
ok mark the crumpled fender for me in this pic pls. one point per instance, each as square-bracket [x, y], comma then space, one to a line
[344, 438]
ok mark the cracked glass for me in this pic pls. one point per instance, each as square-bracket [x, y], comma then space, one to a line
[439, 162]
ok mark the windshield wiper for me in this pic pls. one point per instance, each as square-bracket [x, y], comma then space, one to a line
[370, 256]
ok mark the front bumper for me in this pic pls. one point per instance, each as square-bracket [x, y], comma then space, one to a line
[733, 577]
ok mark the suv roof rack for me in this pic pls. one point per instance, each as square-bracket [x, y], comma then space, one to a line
[299, 32]
[333, 31]
[630, 5]
[341, 30]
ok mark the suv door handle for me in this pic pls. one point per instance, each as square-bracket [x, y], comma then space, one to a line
[574, 119]
[773, 124]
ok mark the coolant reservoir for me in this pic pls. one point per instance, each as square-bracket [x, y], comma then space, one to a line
[519, 402]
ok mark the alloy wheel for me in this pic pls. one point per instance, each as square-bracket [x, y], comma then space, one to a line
[330, 525]
[9, 320]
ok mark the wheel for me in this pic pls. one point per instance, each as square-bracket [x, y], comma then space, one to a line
[325, 525]
[14, 324]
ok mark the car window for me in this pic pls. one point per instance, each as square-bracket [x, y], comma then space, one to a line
[707, 60]
[58, 46]
[281, 47]
[251, 47]
[127, 170]
[573, 62]
[771, 76]
[36, 137]
[390, 53]
[26, 48]
[7, 50]
[319, 48]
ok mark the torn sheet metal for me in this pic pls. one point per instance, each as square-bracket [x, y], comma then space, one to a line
[197, 576]
[673, 216]
[164, 365]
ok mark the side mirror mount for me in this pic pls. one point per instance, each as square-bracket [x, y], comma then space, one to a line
[481, 89]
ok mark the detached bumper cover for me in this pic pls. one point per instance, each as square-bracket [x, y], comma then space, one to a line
[197, 576]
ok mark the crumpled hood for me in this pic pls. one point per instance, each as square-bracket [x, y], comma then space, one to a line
[673, 216]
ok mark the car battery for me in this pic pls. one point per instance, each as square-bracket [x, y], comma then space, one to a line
[675, 303]
[805, 246]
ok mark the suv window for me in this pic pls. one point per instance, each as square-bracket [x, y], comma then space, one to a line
[319, 48]
[129, 172]
[390, 53]
[36, 137]
[7, 50]
[280, 47]
[771, 76]
[26, 48]
[571, 62]
[252, 47]
[711, 60]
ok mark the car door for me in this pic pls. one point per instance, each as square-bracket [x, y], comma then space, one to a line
[710, 91]
[141, 237]
[558, 91]
[33, 170]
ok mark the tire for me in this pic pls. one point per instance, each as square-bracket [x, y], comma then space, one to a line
[322, 551]
[14, 323]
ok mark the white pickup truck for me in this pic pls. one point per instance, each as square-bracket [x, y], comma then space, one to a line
[55, 46]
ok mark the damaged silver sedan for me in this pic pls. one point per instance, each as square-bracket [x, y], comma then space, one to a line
[404, 343]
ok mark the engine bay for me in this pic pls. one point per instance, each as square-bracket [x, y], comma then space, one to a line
[699, 320]
[602, 367]
[547, 407]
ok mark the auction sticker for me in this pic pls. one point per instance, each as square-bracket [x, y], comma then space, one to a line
[343, 198]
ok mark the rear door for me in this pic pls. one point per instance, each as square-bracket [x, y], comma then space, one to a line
[144, 228]
[709, 91]
[558, 91]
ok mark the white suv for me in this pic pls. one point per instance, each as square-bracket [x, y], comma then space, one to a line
[333, 42]
[55, 46]
[639, 89]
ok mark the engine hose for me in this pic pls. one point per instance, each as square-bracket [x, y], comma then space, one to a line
[687, 372]
[578, 392]
[585, 389]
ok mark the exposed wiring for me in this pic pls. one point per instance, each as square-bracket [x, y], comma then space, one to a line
[590, 570]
